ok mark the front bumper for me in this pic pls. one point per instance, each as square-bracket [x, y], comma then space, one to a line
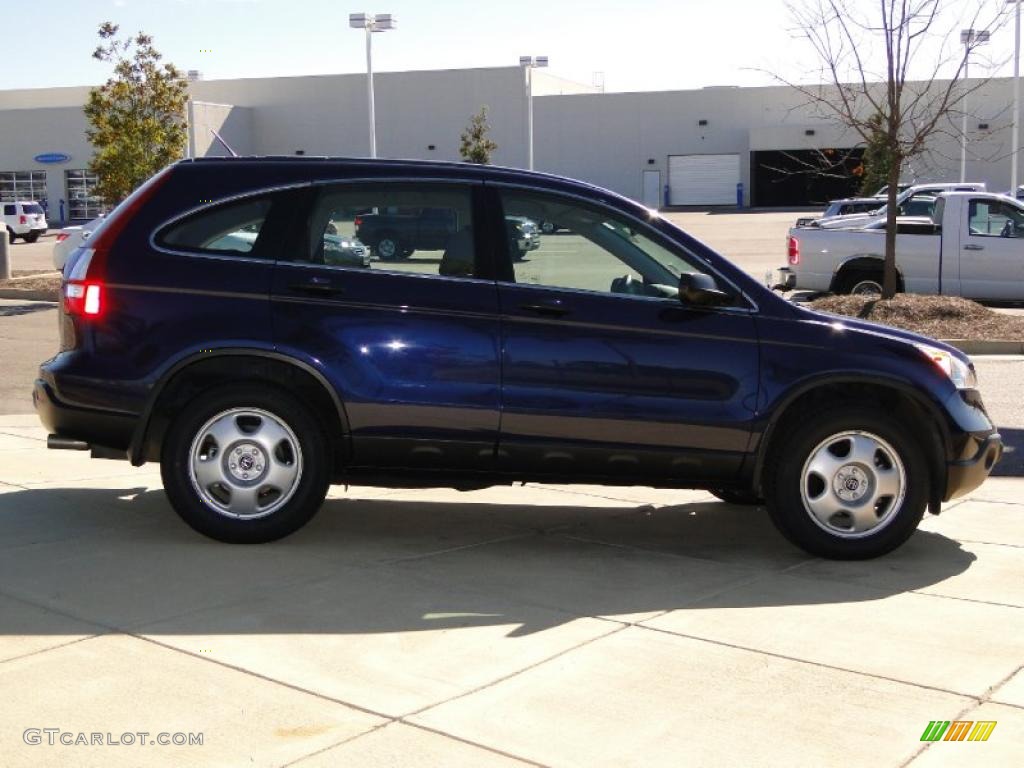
[976, 461]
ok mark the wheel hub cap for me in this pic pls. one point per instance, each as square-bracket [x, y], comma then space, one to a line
[245, 463]
[853, 484]
[850, 483]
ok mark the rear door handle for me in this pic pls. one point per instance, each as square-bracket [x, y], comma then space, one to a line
[974, 247]
[318, 286]
[548, 309]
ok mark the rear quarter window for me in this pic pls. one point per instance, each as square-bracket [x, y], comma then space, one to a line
[229, 229]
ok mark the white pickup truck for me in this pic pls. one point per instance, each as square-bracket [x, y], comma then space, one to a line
[972, 246]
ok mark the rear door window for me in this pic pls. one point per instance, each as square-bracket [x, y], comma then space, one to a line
[230, 229]
[9, 210]
[33, 208]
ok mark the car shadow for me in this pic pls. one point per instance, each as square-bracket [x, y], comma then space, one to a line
[122, 560]
[15, 310]
[1012, 462]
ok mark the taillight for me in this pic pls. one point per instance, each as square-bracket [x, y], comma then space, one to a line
[793, 250]
[83, 291]
[23, 219]
[62, 236]
[358, 221]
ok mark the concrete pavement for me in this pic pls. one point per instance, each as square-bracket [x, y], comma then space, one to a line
[531, 625]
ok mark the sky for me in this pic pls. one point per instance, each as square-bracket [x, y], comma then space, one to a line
[632, 44]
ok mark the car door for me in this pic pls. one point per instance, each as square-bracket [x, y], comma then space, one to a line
[411, 346]
[992, 251]
[604, 371]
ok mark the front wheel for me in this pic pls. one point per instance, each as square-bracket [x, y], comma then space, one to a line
[847, 484]
[245, 464]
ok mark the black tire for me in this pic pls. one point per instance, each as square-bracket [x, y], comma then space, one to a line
[860, 283]
[389, 247]
[11, 236]
[548, 227]
[784, 476]
[733, 496]
[309, 490]
[31, 238]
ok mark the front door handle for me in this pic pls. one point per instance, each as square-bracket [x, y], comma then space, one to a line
[548, 309]
[318, 286]
[972, 247]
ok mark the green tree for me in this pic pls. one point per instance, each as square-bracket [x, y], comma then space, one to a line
[137, 118]
[476, 144]
[877, 159]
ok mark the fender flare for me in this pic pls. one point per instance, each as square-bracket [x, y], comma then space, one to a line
[138, 440]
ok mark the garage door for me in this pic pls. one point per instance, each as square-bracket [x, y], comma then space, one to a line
[703, 179]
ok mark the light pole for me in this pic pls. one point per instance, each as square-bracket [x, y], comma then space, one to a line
[1015, 141]
[380, 22]
[529, 63]
[970, 38]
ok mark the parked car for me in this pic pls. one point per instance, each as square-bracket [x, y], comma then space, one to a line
[844, 207]
[70, 238]
[257, 377]
[25, 219]
[971, 246]
[397, 233]
[905, 202]
[884, 191]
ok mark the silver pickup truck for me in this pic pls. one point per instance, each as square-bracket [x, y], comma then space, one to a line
[971, 246]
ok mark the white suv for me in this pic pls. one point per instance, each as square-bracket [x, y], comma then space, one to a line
[24, 219]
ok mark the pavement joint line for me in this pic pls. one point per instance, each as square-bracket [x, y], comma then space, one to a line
[985, 698]
[3, 431]
[418, 726]
[965, 599]
[504, 678]
[998, 501]
[809, 662]
[52, 648]
[638, 504]
[460, 548]
[366, 710]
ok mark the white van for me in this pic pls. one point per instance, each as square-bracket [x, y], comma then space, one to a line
[25, 219]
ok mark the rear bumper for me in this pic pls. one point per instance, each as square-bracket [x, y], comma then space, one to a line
[977, 460]
[104, 433]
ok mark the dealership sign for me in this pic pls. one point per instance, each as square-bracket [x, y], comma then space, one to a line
[52, 157]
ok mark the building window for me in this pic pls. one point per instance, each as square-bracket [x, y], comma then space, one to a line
[23, 185]
[82, 202]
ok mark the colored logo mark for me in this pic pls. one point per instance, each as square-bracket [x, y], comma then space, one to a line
[958, 730]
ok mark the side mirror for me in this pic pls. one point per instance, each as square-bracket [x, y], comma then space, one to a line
[698, 289]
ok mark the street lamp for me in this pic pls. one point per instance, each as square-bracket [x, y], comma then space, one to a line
[529, 63]
[1015, 141]
[970, 39]
[380, 22]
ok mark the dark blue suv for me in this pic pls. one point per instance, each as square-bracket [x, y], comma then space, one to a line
[214, 324]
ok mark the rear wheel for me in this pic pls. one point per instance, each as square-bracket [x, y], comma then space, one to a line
[32, 238]
[246, 464]
[861, 283]
[10, 235]
[849, 483]
[389, 247]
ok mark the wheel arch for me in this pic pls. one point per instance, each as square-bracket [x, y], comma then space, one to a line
[866, 262]
[888, 392]
[212, 367]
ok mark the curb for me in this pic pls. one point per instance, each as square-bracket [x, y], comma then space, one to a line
[987, 346]
[40, 295]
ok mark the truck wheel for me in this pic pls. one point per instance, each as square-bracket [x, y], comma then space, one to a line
[547, 227]
[389, 247]
[860, 283]
[245, 464]
[848, 483]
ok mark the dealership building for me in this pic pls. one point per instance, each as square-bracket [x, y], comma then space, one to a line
[708, 147]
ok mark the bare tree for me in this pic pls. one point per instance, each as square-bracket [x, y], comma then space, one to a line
[868, 51]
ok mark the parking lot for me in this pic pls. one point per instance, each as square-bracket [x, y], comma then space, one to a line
[546, 625]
